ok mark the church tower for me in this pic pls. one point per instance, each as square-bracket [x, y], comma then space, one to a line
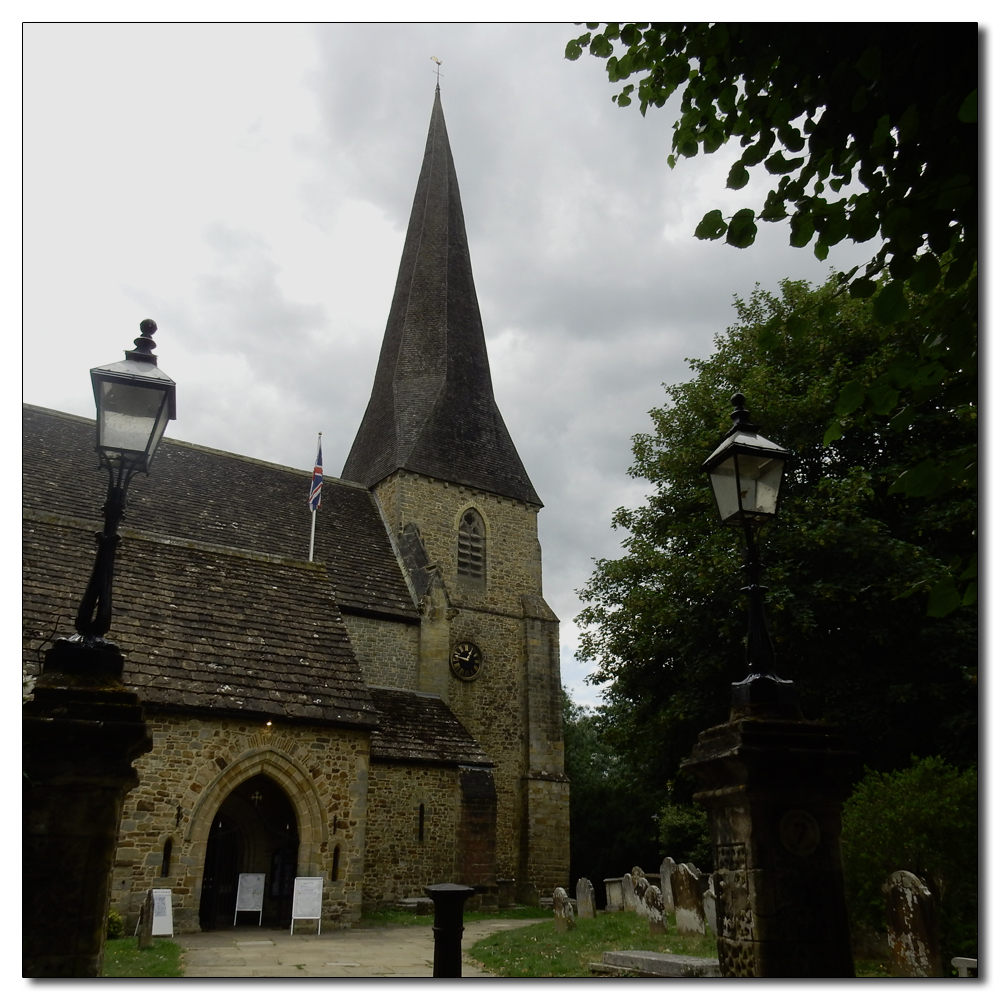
[435, 451]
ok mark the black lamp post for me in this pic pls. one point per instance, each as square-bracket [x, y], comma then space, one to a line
[134, 402]
[746, 472]
[82, 728]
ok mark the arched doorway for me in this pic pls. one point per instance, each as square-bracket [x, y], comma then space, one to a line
[254, 830]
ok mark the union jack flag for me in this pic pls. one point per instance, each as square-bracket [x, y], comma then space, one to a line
[317, 483]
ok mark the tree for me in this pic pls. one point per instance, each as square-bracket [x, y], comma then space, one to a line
[849, 562]
[923, 819]
[612, 818]
[871, 131]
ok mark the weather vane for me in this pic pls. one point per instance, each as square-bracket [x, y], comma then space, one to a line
[437, 69]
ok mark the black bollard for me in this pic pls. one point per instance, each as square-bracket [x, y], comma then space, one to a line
[449, 902]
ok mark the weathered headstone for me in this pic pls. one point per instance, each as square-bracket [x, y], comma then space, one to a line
[144, 932]
[911, 922]
[505, 891]
[653, 900]
[628, 893]
[688, 885]
[666, 868]
[586, 904]
[709, 903]
[641, 885]
[613, 895]
[562, 909]
[529, 895]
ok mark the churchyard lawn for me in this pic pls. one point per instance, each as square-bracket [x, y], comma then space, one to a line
[123, 960]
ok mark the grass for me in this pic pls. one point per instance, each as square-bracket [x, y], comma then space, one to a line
[123, 960]
[405, 918]
[539, 951]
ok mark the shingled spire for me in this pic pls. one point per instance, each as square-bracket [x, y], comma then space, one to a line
[432, 409]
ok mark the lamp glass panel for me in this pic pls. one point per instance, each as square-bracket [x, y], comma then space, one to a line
[760, 481]
[132, 419]
[724, 486]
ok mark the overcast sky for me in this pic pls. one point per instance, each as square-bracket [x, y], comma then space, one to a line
[248, 187]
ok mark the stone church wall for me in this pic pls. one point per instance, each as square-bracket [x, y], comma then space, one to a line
[399, 863]
[513, 708]
[513, 557]
[387, 652]
[196, 762]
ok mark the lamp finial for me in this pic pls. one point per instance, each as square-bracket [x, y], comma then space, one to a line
[144, 343]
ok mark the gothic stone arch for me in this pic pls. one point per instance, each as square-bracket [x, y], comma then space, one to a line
[294, 781]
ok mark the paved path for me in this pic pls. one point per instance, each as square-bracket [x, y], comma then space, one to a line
[364, 952]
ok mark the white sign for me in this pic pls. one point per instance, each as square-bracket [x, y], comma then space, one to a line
[307, 900]
[163, 913]
[250, 894]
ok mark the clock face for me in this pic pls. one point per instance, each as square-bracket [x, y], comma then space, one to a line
[466, 660]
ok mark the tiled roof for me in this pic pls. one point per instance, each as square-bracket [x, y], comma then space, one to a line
[203, 626]
[201, 495]
[420, 728]
[432, 408]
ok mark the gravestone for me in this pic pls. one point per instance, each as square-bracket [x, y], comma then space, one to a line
[641, 885]
[144, 932]
[586, 904]
[505, 892]
[628, 894]
[653, 900]
[666, 868]
[911, 923]
[613, 895]
[688, 885]
[529, 895]
[709, 901]
[562, 909]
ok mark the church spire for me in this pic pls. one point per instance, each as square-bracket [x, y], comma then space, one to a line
[432, 409]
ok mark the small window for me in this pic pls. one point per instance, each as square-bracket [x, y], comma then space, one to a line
[335, 868]
[420, 824]
[168, 850]
[472, 548]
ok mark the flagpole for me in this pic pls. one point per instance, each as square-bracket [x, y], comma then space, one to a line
[314, 492]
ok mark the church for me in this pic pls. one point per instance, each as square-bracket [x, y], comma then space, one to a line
[386, 716]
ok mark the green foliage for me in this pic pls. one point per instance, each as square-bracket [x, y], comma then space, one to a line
[849, 561]
[886, 113]
[922, 819]
[890, 106]
[684, 835]
[124, 960]
[116, 925]
[613, 824]
[539, 951]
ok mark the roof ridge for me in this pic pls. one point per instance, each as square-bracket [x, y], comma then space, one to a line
[85, 524]
[206, 449]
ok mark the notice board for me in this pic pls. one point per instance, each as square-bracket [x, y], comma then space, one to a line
[163, 913]
[250, 894]
[307, 900]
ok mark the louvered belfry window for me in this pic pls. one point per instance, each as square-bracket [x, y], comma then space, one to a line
[472, 547]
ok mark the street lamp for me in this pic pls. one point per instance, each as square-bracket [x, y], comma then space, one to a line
[745, 472]
[134, 402]
[82, 728]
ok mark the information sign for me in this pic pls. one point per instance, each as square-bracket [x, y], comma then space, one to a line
[163, 913]
[250, 894]
[307, 901]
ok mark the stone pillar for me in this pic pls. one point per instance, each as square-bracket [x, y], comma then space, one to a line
[81, 731]
[773, 785]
